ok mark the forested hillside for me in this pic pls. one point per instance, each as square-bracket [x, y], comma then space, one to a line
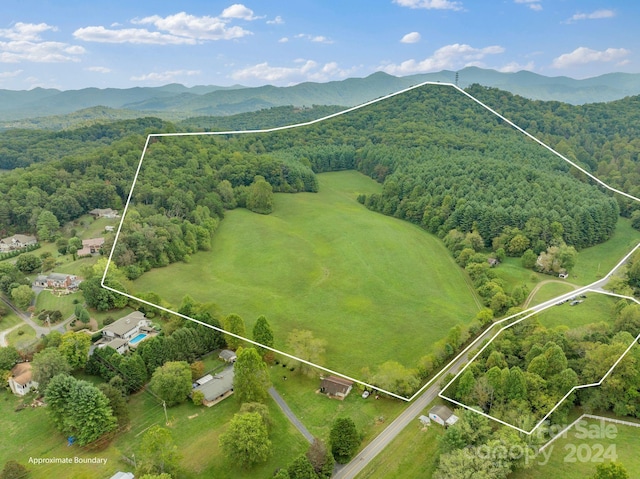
[444, 161]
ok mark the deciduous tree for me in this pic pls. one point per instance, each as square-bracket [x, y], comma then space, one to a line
[172, 382]
[75, 346]
[246, 441]
[158, 453]
[46, 364]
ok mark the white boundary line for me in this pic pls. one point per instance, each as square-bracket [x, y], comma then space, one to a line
[582, 386]
[287, 127]
[586, 416]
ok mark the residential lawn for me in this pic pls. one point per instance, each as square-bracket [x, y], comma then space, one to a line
[549, 290]
[595, 308]
[412, 453]
[317, 412]
[374, 287]
[595, 262]
[22, 338]
[64, 303]
[566, 463]
[195, 430]
[9, 321]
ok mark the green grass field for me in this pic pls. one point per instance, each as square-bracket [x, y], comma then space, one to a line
[595, 262]
[9, 321]
[64, 303]
[195, 431]
[550, 289]
[412, 454]
[22, 337]
[575, 457]
[374, 287]
[317, 411]
[595, 308]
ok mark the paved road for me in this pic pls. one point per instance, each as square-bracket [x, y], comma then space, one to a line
[289, 413]
[3, 335]
[360, 461]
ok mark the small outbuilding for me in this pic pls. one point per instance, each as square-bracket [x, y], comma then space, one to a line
[228, 356]
[336, 387]
[443, 415]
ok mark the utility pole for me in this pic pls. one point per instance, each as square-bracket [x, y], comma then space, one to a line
[456, 78]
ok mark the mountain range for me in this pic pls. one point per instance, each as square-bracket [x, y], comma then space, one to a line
[174, 101]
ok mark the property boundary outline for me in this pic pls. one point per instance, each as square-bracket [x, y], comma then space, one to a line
[318, 120]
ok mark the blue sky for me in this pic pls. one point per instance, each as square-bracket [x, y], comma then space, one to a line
[70, 44]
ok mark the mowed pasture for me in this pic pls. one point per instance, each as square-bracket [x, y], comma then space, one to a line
[374, 287]
[576, 455]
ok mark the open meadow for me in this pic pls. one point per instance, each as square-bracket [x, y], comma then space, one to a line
[374, 287]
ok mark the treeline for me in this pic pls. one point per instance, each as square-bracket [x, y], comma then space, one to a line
[265, 118]
[529, 368]
[447, 163]
[21, 147]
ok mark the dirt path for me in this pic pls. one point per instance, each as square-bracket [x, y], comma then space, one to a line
[541, 284]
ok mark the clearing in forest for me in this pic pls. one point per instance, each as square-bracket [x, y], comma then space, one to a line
[373, 287]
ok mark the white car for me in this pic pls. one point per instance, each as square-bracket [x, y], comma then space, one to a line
[365, 394]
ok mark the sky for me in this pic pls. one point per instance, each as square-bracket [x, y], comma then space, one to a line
[73, 44]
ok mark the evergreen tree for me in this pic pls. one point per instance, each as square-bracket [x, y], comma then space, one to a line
[344, 439]
[251, 378]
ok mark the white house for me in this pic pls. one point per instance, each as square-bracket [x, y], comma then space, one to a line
[21, 381]
[126, 327]
[442, 415]
[57, 281]
[16, 242]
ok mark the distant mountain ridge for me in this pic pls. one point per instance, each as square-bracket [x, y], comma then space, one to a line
[177, 101]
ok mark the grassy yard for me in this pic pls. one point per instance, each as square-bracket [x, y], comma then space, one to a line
[412, 453]
[595, 308]
[22, 338]
[574, 457]
[195, 431]
[9, 321]
[63, 303]
[325, 263]
[317, 412]
[549, 290]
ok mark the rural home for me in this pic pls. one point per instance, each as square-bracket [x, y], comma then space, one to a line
[442, 415]
[90, 246]
[227, 356]
[57, 281]
[336, 387]
[127, 327]
[103, 213]
[20, 380]
[215, 388]
[16, 242]
[120, 345]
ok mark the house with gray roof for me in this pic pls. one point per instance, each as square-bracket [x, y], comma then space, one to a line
[16, 242]
[215, 387]
[57, 281]
[126, 327]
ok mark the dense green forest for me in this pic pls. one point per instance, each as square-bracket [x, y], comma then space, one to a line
[445, 163]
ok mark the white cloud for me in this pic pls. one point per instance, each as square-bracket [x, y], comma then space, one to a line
[276, 21]
[582, 55]
[596, 15]
[99, 69]
[129, 35]
[308, 70]
[177, 29]
[413, 37]
[513, 67]
[26, 44]
[238, 11]
[314, 38]
[42, 52]
[448, 57]
[163, 77]
[12, 74]
[197, 28]
[25, 31]
[532, 4]
[430, 4]
[283, 40]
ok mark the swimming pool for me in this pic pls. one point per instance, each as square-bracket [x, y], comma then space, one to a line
[137, 339]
